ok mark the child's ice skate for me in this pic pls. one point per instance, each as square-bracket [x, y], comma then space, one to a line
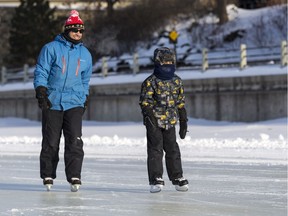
[75, 184]
[181, 184]
[156, 185]
[48, 182]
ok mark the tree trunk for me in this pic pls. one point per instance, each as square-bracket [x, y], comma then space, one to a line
[110, 4]
[221, 11]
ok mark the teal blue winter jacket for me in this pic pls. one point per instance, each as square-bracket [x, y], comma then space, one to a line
[65, 70]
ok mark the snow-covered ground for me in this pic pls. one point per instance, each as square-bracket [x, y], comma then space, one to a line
[259, 28]
[233, 169]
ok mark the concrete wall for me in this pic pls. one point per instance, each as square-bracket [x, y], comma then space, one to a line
[244, 99]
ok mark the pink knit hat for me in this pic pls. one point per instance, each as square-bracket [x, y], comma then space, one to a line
[74, 21]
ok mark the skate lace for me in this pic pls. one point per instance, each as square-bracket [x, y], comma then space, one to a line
[75, 179]
[180, 179]
[48, 178]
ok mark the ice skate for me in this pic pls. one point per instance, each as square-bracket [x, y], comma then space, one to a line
[157, 185]
[75, 184]
[48, 182]
[181, 184]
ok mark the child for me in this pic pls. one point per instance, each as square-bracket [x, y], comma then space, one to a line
[162, 103]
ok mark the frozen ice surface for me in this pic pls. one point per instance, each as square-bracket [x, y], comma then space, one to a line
[119, 187]
[233, 169]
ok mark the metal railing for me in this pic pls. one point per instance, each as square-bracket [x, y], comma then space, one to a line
[201, 60]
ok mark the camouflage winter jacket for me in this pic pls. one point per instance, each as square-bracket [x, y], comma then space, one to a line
[165, 97]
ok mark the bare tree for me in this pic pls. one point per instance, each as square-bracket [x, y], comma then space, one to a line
[221, 11]
[110, 4]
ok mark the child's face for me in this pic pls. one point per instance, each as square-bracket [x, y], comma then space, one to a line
[167, 62]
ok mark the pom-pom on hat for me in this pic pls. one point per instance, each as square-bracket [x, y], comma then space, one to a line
[74, 21]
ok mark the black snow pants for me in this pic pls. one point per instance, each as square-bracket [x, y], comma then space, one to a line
[159, 140]
[53, 123]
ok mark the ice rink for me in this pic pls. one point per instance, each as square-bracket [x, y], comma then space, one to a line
[233, 169]
[119, 187]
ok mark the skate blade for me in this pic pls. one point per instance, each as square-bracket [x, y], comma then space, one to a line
[156, 188]
[48, 187]
[75, 187]
[183, 188]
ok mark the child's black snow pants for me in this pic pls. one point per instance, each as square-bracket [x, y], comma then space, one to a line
[53, 123]
[158, 140]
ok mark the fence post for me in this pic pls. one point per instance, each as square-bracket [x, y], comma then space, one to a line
[25, 73]
[204, 60]
[3, 75]
[135, 64]
[104, 67]
[243, 56]
[284, 59]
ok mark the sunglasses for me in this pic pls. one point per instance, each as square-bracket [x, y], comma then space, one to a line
[77, 30]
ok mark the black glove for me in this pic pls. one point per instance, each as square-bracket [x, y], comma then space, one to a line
[42, 97]
[183, 122]
[150, 120]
